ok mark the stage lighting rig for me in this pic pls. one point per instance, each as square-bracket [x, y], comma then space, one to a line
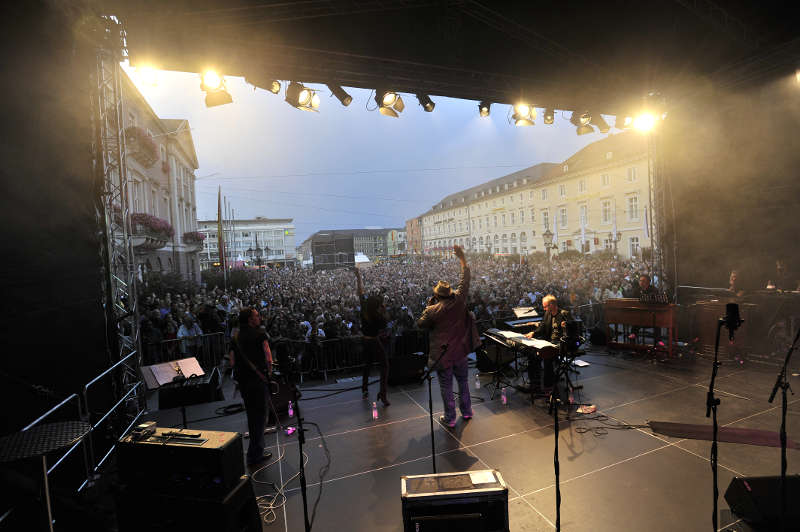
[389, 102]
[426, 102]
[484, 108]
[214, 86]
[524, 114]
[341, 95]
[275, 86]
[549, 116]
[581, 121]
[623, 122]
[302, 97]
[645, 121]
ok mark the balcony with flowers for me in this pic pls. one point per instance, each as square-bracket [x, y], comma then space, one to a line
[194, 240]
[141, 146]
[150, 232]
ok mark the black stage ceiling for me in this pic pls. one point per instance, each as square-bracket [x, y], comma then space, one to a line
[579, 55]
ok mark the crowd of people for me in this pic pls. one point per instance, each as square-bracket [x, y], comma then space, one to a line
[301, 304]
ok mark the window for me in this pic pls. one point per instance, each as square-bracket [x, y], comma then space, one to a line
[562, 191]
[533, 216]
[566, 168]
[504, 219]
[544, 194]
[609, 155]
[512, 218]
[522, 217]
[606, 211]
[546, 220]
[480, 241]
[562, 215]
[607, 244]
[523, 237]
[605, 180]
[530, 194]
[514, 249]
[631, 174]
[505, 187]
[584, 215]
[480, 223]
[505, 239]
[634, 246]
[513, 238]
[496, 239]
[131, 119]
[582, 185]
[633, 207]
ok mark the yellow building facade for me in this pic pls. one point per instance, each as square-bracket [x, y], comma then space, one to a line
[596, 199]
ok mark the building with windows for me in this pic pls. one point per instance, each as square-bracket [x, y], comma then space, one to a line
[160, 162]
[594, 200]
[414, 236]
[373, 243]
[252, 243]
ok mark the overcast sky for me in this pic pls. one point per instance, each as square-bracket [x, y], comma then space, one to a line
[346, 167]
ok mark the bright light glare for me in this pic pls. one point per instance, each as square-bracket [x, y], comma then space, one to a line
[212, 80]
[148, 75]
[315, 101]
[585, 119]
[304, 98]
[275, 87]
[523, 109]
[644, 122]
[389, 98]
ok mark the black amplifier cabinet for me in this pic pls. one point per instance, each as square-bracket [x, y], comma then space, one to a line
[237, 511]
[209, 465]
[469, 501]
[193, 391]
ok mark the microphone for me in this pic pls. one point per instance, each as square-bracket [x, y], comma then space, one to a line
[732, 319]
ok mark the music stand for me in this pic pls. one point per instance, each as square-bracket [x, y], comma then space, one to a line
[498, 378]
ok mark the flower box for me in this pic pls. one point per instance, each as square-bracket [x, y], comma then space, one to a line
[141, 146]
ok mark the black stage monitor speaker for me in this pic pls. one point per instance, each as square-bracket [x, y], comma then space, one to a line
[236, 511]
[469, 501]
[757, 500]
[182, 462]
[407, 368]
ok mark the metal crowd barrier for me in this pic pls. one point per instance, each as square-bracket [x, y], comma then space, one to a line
[209, 349]
[324, 357]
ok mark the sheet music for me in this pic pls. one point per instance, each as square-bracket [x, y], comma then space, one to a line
[164, 372]
[190, 366]
[506, 334]
[535, 343]
[525, 312]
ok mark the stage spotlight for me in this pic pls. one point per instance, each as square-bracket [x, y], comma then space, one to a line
[341, 95]
[426, 103]
[483, 108]
[147, 74]
[275, 87]
[301, 97]
[524, 114]
[549, 116]
[212, 81]
[581, 121]
[623, 122]
[645, 122]
[389, 103]
[214, 86]
[601, 124]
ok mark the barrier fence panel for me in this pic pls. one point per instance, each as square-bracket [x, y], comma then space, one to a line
[209, 349]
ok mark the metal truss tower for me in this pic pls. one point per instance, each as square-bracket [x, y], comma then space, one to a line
[657, 220]
[113, 204]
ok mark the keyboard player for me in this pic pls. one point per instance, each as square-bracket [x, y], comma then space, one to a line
[551, 328]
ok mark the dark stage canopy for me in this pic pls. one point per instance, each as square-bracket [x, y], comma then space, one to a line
[580, 55]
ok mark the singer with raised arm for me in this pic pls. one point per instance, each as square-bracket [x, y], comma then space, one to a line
[452, 329]
[552, 327]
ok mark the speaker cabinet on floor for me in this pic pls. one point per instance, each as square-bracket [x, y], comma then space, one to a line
[757, 500]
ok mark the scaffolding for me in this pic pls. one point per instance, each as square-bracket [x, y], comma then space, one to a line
[113, 209]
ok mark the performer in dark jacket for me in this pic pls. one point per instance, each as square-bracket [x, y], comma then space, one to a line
[551, 328]
[451, 325]
[252, 364]
[373, 329]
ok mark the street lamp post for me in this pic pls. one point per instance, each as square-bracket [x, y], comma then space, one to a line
[615, 238]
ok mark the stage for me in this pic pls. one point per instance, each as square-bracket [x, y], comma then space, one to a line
[611, 478]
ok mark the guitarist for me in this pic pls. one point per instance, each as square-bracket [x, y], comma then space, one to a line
[251, 359]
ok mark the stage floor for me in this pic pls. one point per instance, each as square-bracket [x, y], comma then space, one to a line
[611, 479]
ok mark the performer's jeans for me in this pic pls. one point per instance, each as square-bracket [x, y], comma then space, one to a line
[255, 403]
[375, 350]
[460, 370]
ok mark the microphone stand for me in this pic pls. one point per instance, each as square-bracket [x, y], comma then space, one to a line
[783, 383]
[428, 375]
[301, 439]
[711, 411]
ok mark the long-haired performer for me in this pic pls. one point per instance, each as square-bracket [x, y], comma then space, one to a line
[373, 328]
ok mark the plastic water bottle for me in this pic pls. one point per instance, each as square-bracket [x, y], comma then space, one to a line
[571, 399]
[374, 410]
[291, 409]
[477, 381]
[503, 397]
